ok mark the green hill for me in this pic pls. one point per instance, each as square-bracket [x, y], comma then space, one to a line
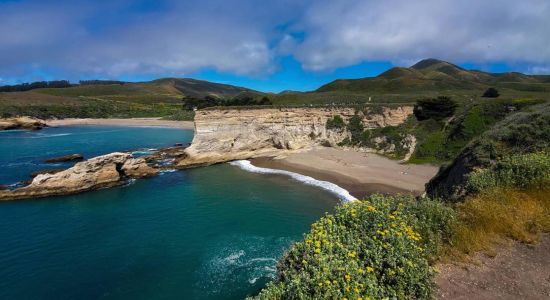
[427, 78]
[161, 97]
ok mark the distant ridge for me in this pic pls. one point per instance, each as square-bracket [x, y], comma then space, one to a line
[434, 74]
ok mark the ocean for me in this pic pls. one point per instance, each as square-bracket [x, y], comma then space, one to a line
[206, 233]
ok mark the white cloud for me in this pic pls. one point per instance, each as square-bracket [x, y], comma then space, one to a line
[110, 39]
[347, 32]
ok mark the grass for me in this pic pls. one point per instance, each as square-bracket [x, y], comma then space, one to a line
[489, 219]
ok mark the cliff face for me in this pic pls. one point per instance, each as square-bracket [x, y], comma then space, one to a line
[222, 135]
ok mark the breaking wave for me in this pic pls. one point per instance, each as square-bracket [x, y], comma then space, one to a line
[343, 194]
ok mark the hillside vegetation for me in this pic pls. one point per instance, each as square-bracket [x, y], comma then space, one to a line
[158, 98]
[163, 97]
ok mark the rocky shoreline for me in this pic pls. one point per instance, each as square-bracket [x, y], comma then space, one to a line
[22, 123]
[99, 172]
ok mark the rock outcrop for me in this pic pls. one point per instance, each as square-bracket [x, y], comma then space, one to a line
[229, 134]
[98, 172]
[21, 123]
[64, 158]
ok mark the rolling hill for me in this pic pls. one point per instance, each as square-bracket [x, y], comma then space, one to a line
[161, 97]
[436, 74]
[427, 78]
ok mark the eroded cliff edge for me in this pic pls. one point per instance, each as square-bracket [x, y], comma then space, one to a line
[230, 134]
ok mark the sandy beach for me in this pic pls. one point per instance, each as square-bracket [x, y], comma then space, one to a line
[360, 173]
[138, 122]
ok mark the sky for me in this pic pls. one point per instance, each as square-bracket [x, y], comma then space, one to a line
[265, 45]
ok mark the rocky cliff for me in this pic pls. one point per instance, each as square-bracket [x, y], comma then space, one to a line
[229, 134]
[21, 123]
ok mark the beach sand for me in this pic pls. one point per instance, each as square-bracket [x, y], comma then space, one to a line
[138, 122]
[360, 173]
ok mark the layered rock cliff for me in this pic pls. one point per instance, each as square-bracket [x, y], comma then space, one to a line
[229, 134]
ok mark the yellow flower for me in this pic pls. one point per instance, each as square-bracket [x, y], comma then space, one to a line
[359, 298]
[351, 254]
[320, 284]
[370, 269]
[327, 282]
[334, 282]
[348, 277]
[361, 271]
[317, 250]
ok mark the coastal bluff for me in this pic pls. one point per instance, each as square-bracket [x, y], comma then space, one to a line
[230, 134]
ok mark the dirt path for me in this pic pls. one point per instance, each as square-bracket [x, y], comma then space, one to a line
[517, 272]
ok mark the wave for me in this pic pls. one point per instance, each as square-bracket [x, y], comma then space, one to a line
[42, 135]
[343, 194]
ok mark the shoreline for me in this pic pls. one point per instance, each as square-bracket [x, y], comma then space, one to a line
[131, 122]
[361, 174]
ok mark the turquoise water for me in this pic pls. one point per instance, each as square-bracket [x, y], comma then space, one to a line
[207, 233]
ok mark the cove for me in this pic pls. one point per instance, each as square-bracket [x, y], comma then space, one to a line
[205, 233]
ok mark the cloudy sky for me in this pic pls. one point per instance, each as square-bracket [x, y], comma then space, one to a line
[266, 45]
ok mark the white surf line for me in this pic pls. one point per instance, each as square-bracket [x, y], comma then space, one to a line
[343, 194]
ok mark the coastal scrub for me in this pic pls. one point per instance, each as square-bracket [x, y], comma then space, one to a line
[369, 249]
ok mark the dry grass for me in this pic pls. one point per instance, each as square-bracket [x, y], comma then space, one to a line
[491, 218]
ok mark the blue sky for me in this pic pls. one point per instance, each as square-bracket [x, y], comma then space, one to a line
[267, 45]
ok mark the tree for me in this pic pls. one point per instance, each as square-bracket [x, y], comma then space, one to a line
[336, 123]
[491, 93]
[435, 108]
[355, 127]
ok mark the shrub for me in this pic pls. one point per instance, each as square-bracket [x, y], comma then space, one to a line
[518, 171]
[437, 109]
[355, 127]
[367, 249]
[336, 123]
[491, 93]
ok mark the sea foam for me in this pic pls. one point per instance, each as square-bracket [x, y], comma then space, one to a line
[343, 194]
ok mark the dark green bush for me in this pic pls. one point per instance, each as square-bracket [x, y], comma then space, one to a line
[377, 248]
[491, 93]
[336, 123]
[355, 127]
[435, 108]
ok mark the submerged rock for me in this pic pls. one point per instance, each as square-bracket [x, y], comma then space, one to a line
[96, 173]
[21, 123]
[64, 158]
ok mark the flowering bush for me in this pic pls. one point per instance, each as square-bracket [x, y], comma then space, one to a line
[366, 249]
